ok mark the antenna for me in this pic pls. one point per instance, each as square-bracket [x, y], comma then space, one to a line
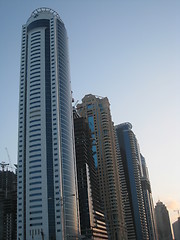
[178, 212]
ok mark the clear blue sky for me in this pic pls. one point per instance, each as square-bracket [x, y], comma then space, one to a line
[127, 50]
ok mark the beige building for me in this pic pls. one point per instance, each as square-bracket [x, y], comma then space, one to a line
[97, 112]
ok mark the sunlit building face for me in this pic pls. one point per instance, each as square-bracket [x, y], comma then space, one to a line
[47, 201]
[97, 112]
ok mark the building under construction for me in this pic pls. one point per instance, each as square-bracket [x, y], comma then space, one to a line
[8, 202]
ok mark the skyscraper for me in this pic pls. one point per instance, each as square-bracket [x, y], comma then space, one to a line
[130, 171]
[96, 110]
[176, 229]
[92, 220]
[163, 222]
[8, 202]
[148, 201]
[47, 187]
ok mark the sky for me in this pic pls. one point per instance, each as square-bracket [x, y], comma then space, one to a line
[126, 50]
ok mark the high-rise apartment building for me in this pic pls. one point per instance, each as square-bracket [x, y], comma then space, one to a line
[92, 220]
[8, 203]
[96, 110]
[163, 222]
[176, 229]
[130, 171]
[47, 186]
[148, 201]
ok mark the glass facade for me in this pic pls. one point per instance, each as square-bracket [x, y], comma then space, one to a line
[92, 128]
[130, 173]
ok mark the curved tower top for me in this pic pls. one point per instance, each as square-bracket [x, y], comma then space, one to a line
[125, 125]
[43, 13]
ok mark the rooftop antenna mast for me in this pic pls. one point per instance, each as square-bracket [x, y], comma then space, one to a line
[178, 212]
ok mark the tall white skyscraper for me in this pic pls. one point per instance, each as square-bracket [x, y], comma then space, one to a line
[47, 190]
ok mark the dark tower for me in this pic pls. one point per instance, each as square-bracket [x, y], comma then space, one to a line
[92, 219]
[163, 222]
[8, 203]
[131, 172]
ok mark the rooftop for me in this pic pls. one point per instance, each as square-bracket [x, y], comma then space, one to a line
[36, 12]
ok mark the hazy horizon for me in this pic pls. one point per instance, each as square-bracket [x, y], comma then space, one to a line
[128, 51]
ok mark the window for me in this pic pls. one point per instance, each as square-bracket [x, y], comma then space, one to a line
[33, 172]
[35, 41]
[35, 48]
[35, 212]
[36, 64]
[36, 224]
[33, 85]
[35, 218]
[34, 189]
[35, 34]
[36, 177]
[35, 61]
[36, 80]
[35, 140]
[36, 120]
[34, 135]
[34, 89]
[35, 130]
[36, 53]
[36, 155]
[36, 200]
[34, 94]
[34, 183]
[36, 106]
[31, 103]
[35, 145]
[36, 166]
[89, 106]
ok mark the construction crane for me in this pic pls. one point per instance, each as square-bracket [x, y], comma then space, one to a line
[11, 166]
[76, 103]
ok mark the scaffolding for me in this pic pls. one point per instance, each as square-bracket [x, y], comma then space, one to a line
[8, 202]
